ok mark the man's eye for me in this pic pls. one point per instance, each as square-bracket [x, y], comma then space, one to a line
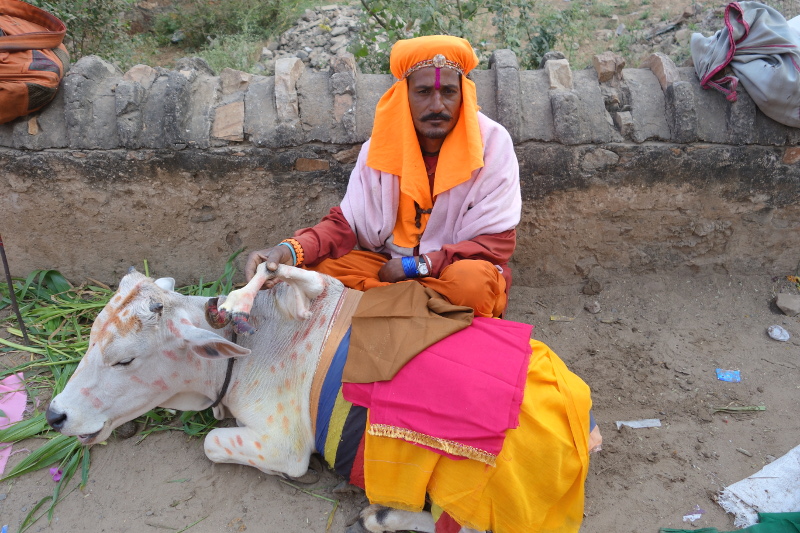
[124, 362]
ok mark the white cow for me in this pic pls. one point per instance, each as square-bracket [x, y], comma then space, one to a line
[151, 346]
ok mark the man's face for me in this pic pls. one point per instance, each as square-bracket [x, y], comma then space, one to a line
[435, 111]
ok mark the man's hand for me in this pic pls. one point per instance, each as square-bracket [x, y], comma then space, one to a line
[392, 271]
[273, 257]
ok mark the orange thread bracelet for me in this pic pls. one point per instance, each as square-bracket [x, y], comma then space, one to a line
[298, 250]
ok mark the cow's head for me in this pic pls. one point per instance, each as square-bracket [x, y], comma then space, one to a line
[150, 346]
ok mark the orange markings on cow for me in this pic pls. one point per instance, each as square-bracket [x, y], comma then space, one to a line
[253, 463]
[260, 457]
[187, 381]
[285, 424]
[172, 329]
[186, 321]
[216, 441]
[293, 357]
[86, 392]
[272, 369]
[270, 419]
[171, 355]
[161, 384]
[232, 441]
[239, 440]
[281, 408]
[228, 451]
[137, 379]
[174, 375]
[309, 347]
[287, 383]
[283, 365]
[96, 402]
[257, 444]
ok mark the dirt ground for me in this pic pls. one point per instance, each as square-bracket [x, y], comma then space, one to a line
[651, 352]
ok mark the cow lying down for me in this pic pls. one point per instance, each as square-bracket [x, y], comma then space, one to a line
[151, 346]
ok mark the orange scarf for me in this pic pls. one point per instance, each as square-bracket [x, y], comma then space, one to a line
[395, 149]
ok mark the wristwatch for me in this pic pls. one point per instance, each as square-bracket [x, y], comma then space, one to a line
[422, 267]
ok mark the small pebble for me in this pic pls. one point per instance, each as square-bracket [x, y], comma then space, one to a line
[592, 307]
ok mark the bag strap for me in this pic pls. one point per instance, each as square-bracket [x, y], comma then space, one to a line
[51, 38]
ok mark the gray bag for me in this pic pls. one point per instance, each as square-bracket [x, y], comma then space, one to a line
[762, 50]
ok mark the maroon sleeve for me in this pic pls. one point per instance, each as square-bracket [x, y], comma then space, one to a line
[332, 237]
[495, 248]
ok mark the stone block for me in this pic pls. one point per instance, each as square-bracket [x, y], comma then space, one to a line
[370, 88]
[129, 97]
[260, 118]
[287, 71]
[664, 69]
[624, 123]
[599, 159]
[568, 126]
[559, 74]
[741, 119]
[203, 94]
[44, 129]
[681, 114]
[788, 303]
[311, 165]
[234, 81]
[647, 106]
[608, 66]
[228, 122]
[194, 64]
[316, 105]
[507, 90]
[142, 74]
[536, 113]
[90, 108]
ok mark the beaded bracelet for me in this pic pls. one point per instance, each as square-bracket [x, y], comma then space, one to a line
[291, 249]
[410, 267]
[298, 250]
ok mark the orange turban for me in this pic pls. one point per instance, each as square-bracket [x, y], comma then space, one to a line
[394, 147]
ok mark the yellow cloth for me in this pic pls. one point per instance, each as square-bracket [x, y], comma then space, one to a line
[538, 483]
[395, 149]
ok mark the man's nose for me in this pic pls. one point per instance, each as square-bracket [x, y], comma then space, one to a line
[437, 102]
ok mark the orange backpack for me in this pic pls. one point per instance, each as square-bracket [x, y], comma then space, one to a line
[33, 59]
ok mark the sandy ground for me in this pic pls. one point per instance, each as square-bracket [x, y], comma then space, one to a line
[651, 352]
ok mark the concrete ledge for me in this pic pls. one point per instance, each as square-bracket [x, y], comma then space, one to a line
[183, 167]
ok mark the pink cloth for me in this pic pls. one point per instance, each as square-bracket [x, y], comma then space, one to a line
[465, 389]
[13, 398]
[488, 203]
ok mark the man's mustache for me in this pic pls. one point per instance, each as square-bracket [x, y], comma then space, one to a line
[436, 116]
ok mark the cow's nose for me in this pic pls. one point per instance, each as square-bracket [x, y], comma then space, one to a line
[55, 419]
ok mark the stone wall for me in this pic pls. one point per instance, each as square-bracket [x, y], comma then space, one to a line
[621, 169]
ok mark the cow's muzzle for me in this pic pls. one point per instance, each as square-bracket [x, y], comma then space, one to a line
[55, 419]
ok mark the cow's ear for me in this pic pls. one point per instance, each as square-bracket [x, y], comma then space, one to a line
[212, 346]
[168, 284]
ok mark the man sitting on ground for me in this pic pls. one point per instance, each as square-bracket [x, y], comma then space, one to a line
[434, 196]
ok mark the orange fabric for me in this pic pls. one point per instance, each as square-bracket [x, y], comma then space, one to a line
[538, 483]
[395, 149]
[471, 283]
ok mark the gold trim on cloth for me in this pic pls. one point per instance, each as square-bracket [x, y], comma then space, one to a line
[342, 317]
[444, 445]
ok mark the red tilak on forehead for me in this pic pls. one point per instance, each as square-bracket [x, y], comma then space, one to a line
[437, 85]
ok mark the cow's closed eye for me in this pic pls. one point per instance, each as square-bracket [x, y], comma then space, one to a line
[124, 362]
